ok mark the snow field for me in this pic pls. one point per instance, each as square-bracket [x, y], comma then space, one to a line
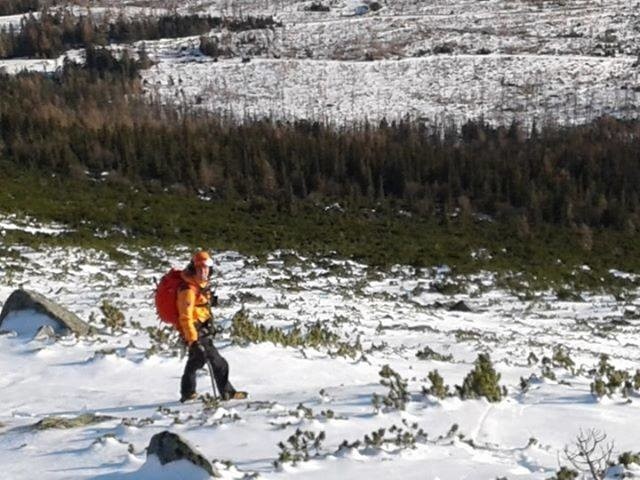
[395, 312]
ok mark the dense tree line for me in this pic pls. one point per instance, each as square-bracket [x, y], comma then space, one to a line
[91, 118]
[52, 32]
[14, 7]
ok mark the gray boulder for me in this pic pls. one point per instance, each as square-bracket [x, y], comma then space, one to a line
[170, 447]
[28, 300]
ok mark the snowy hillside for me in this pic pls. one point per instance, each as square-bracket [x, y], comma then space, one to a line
[129, 380]
[438, 61]
[444, 61]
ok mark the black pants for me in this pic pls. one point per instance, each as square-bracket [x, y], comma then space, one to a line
[198, 357]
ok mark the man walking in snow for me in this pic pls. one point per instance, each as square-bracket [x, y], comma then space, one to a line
[195, 324]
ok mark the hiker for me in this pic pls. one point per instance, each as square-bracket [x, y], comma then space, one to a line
[195, 324]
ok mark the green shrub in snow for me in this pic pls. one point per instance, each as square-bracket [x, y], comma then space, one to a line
[608, 380]
[598, 388]
[627, 458]
[482, 381]
[565, 474]
[113, 317]
[164, 338]
[427, 353]
[313, 335]
[299, 446]
[438, 388]
[400, 437]
[397, 395]
[561, 358]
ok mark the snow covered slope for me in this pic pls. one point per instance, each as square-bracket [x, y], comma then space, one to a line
[382, 318]
[446, 61]
[442, 61]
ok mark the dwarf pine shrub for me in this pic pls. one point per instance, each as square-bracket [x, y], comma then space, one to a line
[112, 316]
[438, 388]
[598, 388]
[609, 380]
[243, 331]
[398, 394]
[427, 353]
[299, 446]
[627, 458]
[164, 339]
[482, 381]
[565, 474]
[400, 437]
[561, 358]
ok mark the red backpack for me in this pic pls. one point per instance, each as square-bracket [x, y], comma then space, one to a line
[166, 295]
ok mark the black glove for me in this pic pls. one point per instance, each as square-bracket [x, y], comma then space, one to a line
[196, 349]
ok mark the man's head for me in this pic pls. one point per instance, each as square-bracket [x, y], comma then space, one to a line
[202, 264]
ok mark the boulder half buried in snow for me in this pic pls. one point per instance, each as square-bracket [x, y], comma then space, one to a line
[27, 301]
[170, 447]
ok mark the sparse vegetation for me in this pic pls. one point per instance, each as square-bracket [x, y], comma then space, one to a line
[313, 335]
[608, 380]
[405, 436]
[70, 422]
[400, 437]
[299, 447]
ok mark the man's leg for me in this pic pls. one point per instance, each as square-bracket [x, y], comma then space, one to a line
[220, 370]
[195, 361]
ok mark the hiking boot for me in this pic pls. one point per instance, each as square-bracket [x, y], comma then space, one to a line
[235, 396]
[188, 396]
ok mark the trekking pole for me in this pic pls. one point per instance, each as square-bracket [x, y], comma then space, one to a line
[213, 379]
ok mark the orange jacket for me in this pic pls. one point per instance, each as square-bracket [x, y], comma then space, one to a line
[193, 307]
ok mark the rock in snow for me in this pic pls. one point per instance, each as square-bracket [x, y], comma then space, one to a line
[170, 447]
[28, 300]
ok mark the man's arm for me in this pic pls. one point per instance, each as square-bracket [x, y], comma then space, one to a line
[186, 303]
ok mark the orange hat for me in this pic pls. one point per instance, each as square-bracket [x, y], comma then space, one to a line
[202, 258]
